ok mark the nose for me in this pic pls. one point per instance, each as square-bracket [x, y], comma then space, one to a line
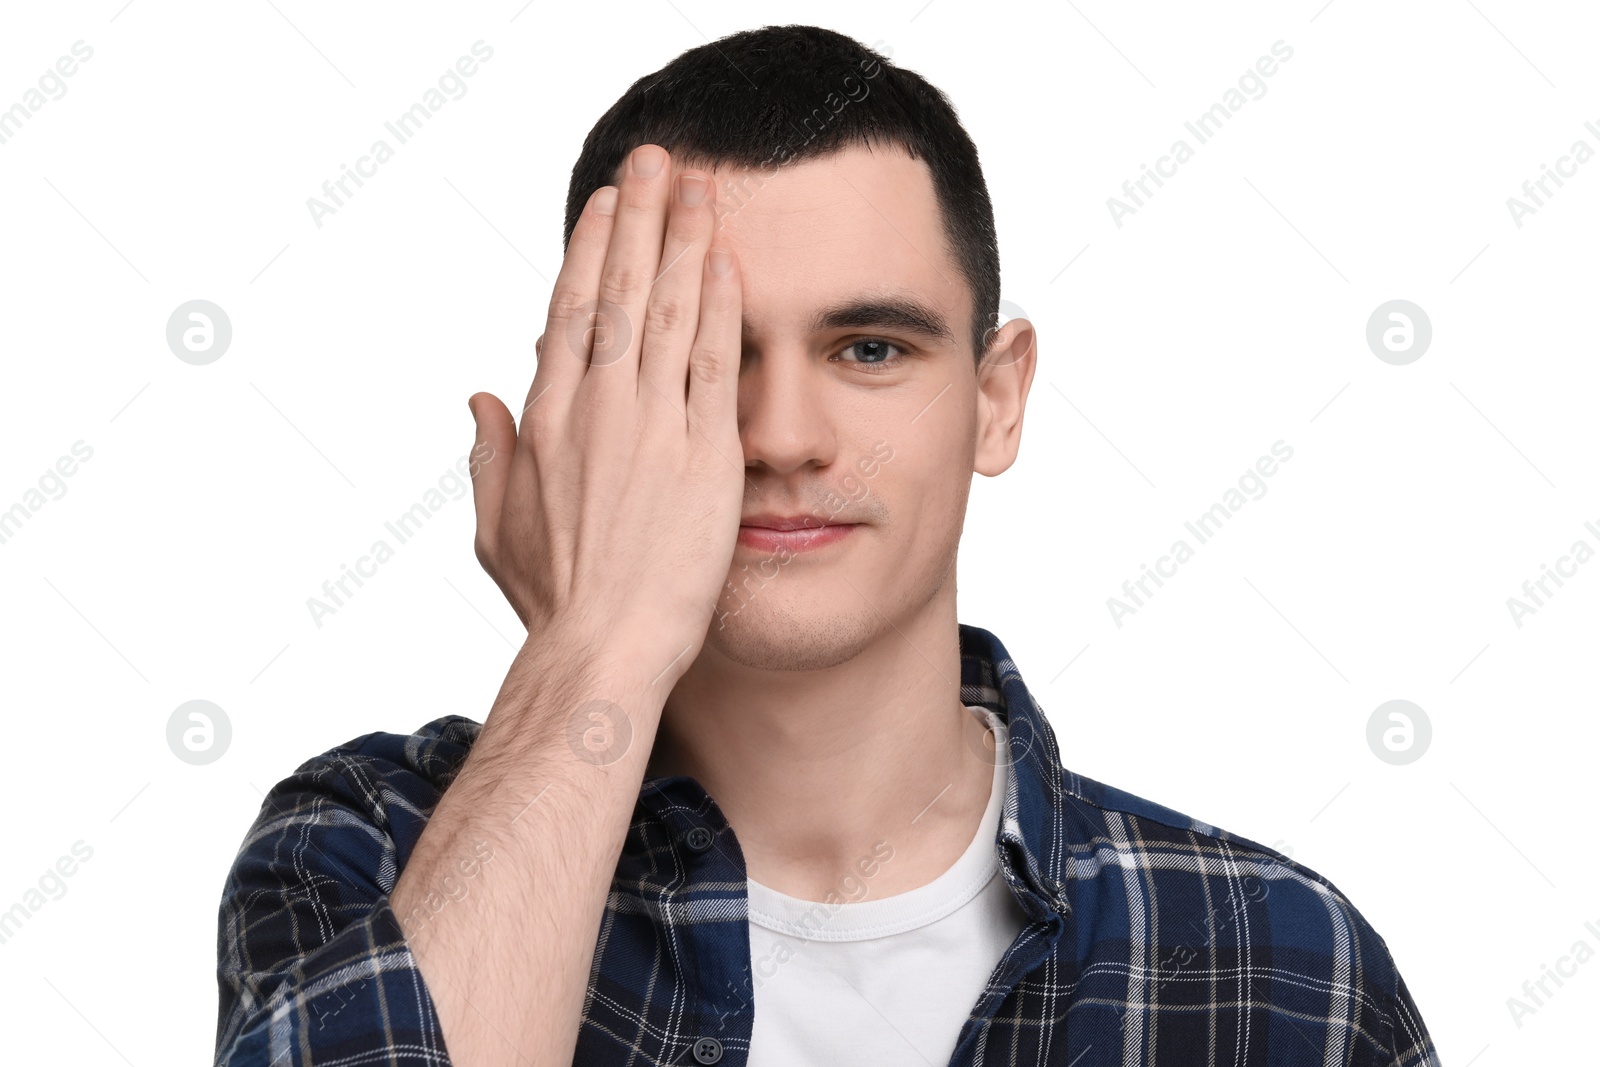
[784, 420]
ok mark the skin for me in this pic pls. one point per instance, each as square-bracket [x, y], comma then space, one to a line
[824, 713]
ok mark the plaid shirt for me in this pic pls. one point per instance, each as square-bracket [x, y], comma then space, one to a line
[1153, 939]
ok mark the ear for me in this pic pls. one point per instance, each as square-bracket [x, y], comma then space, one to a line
[1005, 375]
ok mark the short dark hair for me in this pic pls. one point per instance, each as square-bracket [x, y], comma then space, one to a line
[781, 94]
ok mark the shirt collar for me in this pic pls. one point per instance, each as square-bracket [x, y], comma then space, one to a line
[1030, 844]
[1032, 837]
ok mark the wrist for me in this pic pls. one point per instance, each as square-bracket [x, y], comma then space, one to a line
[605, 660]
[568, 704]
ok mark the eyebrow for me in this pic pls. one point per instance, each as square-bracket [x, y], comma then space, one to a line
[897, 313]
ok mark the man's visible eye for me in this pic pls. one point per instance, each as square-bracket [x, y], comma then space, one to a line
[870, 353]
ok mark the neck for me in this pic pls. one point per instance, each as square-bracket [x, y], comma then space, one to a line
[823, 773]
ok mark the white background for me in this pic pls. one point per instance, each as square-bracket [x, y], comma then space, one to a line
[1228, 313]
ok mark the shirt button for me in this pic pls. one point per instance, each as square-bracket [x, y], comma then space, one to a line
[698, 840]
[707, 1050]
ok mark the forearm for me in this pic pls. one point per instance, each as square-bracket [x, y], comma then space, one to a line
[506, 952]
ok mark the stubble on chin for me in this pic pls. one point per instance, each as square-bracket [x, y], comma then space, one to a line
[765, 637]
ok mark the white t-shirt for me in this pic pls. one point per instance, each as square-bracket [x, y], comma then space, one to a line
[887, 980]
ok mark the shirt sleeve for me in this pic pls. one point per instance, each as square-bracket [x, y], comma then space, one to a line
[313, 967]
[1410, 1044]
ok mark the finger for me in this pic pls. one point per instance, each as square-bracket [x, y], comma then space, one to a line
[563, 351]
[630, 268]
[673, 310]
[714, 359]
[493, 448]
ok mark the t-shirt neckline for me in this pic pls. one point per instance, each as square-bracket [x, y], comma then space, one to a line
[815, 920]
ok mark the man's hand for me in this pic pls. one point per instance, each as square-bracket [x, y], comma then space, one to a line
[614, 521]
[609, 521]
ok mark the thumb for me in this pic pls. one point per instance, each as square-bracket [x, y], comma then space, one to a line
[494, 443]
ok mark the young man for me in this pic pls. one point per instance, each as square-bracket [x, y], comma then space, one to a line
[749, 793]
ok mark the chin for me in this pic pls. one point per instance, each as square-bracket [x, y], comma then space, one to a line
[768, 636]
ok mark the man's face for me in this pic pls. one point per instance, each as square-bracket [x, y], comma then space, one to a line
[866, 420]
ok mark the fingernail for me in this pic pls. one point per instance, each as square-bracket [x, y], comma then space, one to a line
[647, 160]
[605, 200]
[721, 261]
[691, 190]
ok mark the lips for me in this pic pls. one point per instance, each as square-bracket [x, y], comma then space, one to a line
[792, 533]
[786, 522]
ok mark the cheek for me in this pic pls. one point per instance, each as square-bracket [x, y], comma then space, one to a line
[919, 468]
[925, 490]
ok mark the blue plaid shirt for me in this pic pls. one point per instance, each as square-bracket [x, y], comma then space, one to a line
[1152, 939]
